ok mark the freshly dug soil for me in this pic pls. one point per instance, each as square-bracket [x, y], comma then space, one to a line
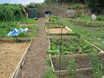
[81, 62]
[10, 55]
[57, 31]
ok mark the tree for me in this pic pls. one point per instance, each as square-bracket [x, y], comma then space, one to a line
[96, 6]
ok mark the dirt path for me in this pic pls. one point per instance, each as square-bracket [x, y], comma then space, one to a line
[35, 64]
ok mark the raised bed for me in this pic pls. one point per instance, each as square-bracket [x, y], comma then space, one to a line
[82, 59]
[56, 30]
[83, 64]
[72, 46]
[10, 59]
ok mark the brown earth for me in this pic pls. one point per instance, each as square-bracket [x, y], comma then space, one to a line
[57, 31]
[35, 64]
[81, 62]
[80, 75]
[10, 55]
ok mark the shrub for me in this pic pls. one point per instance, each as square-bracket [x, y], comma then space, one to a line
[10, 12]
[100, 18]
[35, 5]
[77, 6]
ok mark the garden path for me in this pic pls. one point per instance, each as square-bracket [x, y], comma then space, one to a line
[35, 64]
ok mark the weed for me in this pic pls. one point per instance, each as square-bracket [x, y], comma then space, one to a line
[71, 68]
[97, 67]
[49, 74]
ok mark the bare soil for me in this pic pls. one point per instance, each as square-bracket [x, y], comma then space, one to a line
[35, 64]
[57, 31]
[81, 62]
[80, 75]
[10, 55]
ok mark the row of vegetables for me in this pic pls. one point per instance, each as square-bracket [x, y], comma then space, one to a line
[80, 58]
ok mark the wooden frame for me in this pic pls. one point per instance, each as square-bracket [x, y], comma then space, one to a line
[21, 63]
[63, 72]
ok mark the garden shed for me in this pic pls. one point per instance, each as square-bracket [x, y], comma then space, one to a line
[47, 13]
[32, 12]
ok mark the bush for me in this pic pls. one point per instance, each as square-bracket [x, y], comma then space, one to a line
[8, 25]
[10, 12]
[77, 6]
[96, 6]
[100, 18]
[35, 5]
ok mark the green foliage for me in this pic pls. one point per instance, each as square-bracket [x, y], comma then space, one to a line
[53, 52]
[48, 61]
[64, 1]
[5, 27]
[53, 18]
[100, 18]
[89, 33]
[71, 68]
[28, 20]
[75, 6]
[96, 6]
[8, 25]
[35, 5]
[49, 74]
[23, 34]
[50, 1]
[97, 67]
[70, 46]
[10, 12]
[88, 23]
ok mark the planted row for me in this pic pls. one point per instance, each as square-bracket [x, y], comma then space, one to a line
[88, 23]
[71, 46]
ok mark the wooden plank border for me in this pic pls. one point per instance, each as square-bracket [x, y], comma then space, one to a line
[63, 72]
[64, 34]
[21, 63]
[14, 40]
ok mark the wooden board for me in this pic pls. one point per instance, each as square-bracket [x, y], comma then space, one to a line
[58, 30]
[21, 63]
[63, 72]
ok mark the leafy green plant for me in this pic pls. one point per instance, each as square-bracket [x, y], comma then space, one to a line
[88, 23]
[97, 67]
[23, 34]
[76, 6]
[49, 74]
[54, 52]
[71, 68]
[53, 18]
[88, 33]
[35, 5]
[28, 20]
[10, 12]
[100, 18]
[48, 61]
[71, 46]
[8, 25]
